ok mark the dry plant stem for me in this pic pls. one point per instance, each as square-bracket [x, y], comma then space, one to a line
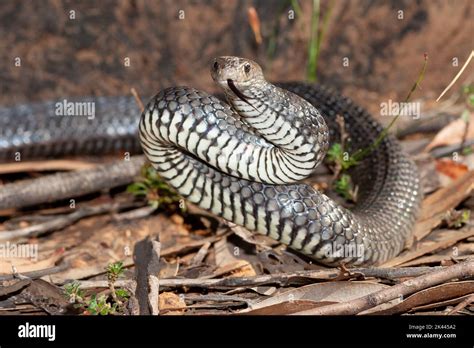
[461, 305]
[138, 213]
[471, 56]
[138, 100]
[67, 185]
[282, 279]
[113, 294]
[459, 271]
[464, 136]
[38, 166]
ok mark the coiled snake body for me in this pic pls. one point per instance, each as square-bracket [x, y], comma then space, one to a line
[243, 161]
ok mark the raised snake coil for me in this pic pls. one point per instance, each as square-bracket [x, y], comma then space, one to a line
[184, 131]
[242, 168]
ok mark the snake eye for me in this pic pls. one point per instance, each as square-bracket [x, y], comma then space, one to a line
[216, 66]
[247, 68]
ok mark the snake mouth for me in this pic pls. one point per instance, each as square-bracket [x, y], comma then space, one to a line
[236, 91]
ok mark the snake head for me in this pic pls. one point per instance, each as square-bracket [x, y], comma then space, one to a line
[235, 75]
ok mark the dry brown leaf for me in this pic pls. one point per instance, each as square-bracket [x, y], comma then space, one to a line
[459, 251]
[322, 292]
[172, 304]
[453, 133]
[453, 169]
[239, 268]
[85, 271]
[445, 303]
[288, 307]
[252, 238]
[24, 265]
[437, 204]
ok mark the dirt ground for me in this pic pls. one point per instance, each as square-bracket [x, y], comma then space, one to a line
[383, 41]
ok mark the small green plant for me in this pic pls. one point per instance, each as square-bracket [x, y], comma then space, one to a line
[100, 304]
[114, 271]
[344, 186]
[155, 190]
[74, 293]
[341, 158]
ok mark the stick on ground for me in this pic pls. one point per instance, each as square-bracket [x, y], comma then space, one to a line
[460, 271]
[68, 185]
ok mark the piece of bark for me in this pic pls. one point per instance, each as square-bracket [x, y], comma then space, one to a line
[46, 296]
[146, 257]
[6, 290]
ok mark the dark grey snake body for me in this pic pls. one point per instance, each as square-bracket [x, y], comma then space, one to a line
[295, 214]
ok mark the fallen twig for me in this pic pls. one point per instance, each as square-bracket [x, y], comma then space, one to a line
[36, 274]
[459, 271]
[448, 150]
[72, 184]
[462, 305]
[138, 213]
[282, 279]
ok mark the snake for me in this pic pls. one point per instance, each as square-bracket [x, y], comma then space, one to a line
[245, 157]
[244, 161]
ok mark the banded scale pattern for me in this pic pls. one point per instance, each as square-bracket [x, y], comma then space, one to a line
[183, 132]
[242, 161]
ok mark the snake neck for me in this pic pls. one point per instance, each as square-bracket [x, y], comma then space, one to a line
[285, 120]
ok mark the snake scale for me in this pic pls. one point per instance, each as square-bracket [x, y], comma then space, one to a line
[244, 160]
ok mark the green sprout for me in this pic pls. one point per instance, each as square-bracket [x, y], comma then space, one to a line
[341, 158]
[114, 271]
[100, 304]
[344, 186]
[155, 190]
[73, 292]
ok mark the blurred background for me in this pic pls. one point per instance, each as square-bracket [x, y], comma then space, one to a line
[369, 50]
